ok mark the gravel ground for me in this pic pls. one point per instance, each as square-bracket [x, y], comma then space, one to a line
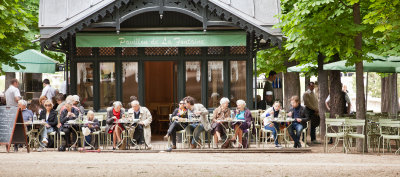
[196, 164]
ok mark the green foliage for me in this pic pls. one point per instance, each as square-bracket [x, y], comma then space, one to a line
[16, 20]
[385, 16]
[18, 27]
[272, 59]
[321, 26]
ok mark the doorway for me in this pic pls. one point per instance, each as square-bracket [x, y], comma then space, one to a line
[160, 92]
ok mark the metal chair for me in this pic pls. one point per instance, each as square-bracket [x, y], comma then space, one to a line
[256, 118]
[351, 131]
[389, 130]
[331, 125]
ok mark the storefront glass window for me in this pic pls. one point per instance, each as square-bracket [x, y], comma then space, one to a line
[85, 84]
[129, 82]
[193, 80]
[215, 83]
[107, 84]
[238, 81]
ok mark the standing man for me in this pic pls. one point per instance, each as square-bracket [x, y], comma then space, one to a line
[48, 91]
[12, 94]
[268, 85]
[311, 110]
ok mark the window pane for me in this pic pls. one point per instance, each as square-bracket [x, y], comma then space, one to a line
[107, 84]
[238, 81]
[193, 80]
[85, 84]
[129, 81]
[215, 83]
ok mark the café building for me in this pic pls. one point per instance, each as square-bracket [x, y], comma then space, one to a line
[159, 50]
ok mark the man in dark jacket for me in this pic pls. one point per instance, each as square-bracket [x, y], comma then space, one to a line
[300, 120]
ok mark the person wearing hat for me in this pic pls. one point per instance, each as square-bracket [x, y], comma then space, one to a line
[267, 102]
[268, 85]
[77, 104]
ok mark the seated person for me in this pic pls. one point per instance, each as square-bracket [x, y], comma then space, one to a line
[179, 113]
[95, 126]
[69, 113]
[297, 113]
[199, 112]
[269, 124]
[27, 115]
[49, 115]
[241, 113]
[115, 113]
[221, 113]
[143, 130]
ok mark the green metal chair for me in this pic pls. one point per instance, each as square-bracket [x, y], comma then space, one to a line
[390, 130]
[351, 131]
[257, 125]
[331, 132]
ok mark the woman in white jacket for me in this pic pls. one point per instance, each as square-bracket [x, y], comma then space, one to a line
[269, 124]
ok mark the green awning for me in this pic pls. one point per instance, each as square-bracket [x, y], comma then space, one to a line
[162, 39]
[374, 66]
[300, 68]
[379, 64]
[34, 62]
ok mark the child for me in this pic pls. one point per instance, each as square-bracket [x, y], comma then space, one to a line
[268, 117]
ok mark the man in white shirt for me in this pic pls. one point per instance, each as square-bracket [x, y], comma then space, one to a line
[48, 91]
[63, 88]
[346, 98]
[12, 94]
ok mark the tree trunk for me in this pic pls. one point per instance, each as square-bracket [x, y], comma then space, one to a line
[360, 95]
[323, 92]
[389, 92]
[337, 101]
[291, 88]
[384, 94]
[394, 102]
[306, 82]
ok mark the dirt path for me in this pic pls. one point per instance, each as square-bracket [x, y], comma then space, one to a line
[196, 164]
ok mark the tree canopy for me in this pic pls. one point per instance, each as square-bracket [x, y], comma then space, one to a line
[18, 27]
[326, 27]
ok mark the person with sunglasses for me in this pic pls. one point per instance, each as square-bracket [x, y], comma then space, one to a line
[48, 115]
[179, 113]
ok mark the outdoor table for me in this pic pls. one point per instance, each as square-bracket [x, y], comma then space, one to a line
[229, 122]
[34, 123]
[193, 121]
[80, 124]
[286, 120]
[130, 126]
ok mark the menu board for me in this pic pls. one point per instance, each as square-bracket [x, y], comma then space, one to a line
[12, 129]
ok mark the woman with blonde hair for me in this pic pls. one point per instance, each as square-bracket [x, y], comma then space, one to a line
[49, 116]
[42, 99]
